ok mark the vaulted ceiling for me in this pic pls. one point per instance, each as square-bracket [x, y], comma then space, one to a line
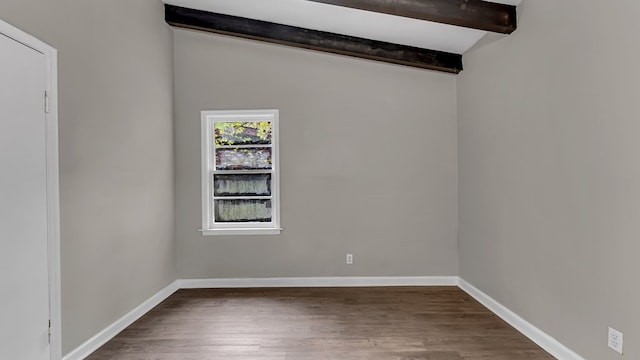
[430, 34]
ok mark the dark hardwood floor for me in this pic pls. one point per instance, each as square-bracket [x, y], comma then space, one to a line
[385, 323]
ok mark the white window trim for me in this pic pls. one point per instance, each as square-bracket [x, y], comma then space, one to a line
[209, 227]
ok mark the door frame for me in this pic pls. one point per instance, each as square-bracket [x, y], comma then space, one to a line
[53, 182]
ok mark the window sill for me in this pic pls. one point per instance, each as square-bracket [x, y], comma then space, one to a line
[247, 231]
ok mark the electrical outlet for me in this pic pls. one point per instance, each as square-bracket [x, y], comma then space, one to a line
[349, 259]
[615, 340]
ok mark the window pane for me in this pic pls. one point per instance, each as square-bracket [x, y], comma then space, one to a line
[243, 159]
[243, 210]
[242, 185]
[242, 133]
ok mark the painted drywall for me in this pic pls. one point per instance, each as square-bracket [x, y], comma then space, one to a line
[368, 161]
[549, 171]
[116, 153]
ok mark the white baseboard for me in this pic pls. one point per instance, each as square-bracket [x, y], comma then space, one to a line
[551, 345]
[536, 335]
[320, 282]
[112, 330]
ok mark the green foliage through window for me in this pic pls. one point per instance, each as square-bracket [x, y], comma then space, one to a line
[242, 133]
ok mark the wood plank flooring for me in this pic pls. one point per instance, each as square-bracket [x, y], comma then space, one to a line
[385, 323]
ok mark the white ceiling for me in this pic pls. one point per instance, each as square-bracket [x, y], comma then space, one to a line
[342, 20]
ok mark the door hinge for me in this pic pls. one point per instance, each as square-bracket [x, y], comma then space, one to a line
[46, 102]
[49, 331]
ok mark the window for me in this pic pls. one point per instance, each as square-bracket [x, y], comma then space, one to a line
[240, 173]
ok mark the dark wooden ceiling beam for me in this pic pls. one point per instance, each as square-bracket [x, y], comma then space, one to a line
[312, 39]
[476, 14]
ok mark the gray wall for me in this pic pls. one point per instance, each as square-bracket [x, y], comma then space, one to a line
[549, 178]
[550, 173]
[368, 159]
[116, 153]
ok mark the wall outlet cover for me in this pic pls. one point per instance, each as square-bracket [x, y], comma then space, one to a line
[615, 340]
[349, 259]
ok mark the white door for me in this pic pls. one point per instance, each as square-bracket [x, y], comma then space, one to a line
[24, 279]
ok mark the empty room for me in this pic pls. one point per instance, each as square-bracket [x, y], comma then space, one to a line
[319, 179]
